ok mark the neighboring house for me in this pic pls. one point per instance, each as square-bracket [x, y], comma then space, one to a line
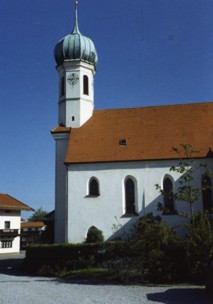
[10, 223]
[31, 233]
[108, 161]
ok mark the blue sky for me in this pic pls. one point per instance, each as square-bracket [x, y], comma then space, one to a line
[151, 52]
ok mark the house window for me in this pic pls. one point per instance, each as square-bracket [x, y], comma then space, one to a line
[6, 225]
[168, 195]
[130, 196]
[6, 244]
[94, 187]
[207, 193]
[86, 85]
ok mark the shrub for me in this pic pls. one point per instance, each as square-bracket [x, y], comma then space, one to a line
[94, 235]
[68, 257]
[160, 244]
[200, 246]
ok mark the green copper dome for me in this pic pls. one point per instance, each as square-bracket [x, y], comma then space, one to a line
[75, 47]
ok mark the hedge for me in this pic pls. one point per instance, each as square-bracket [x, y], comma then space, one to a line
[70, 257]
[159, 265]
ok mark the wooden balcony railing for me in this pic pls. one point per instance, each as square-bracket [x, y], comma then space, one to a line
[8, 232]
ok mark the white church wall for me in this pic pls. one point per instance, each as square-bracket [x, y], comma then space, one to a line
[108, 208]
[14, 218]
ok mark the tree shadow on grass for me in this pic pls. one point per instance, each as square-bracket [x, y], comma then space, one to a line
[182, 296]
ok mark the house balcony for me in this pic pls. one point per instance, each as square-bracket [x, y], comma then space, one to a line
[4, 233]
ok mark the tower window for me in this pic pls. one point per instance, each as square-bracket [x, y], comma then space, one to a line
[86, 85]
[62, 86]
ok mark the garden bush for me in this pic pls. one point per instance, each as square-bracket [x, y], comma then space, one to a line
[164, 254]
[78, 256]
[200, 246]
[94, 235]
[154, 255]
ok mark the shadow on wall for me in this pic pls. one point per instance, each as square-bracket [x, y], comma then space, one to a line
[124, 231]
[181, 295]
[173, 220]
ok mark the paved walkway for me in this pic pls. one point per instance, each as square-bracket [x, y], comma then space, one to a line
[17, 288]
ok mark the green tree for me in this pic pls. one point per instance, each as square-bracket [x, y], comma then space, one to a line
[200, 246]
[199, 238]
[186, 190]
[159, 245]
[38, 215]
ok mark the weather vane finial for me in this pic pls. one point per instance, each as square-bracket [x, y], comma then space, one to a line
[76, 30]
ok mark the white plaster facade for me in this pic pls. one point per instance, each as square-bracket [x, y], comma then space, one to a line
[75, 107]
[10, 237]
[108, 209]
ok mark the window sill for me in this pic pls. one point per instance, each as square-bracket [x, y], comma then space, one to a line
[129, 215]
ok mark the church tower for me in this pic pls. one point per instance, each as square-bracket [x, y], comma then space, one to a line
[76, 60]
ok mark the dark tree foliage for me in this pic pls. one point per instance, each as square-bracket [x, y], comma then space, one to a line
[200, 245]
[94, 235]
[38, 215]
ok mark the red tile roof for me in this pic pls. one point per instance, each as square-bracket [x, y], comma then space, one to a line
[32, 225]
[8, 202]
[150, 133]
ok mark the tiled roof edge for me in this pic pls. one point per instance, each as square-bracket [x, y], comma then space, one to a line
[134, 160]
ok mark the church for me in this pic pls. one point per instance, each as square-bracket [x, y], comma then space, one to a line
[109, 161]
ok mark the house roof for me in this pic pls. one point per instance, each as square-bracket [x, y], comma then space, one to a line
[32, 224]
[148, 133]
[8, 202]
[49, 217]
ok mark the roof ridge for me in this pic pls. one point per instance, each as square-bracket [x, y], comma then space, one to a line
[157, 106]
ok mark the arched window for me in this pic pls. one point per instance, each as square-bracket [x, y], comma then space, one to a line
[130, 196]
[62, 86]
[86, 85]
[207, 193]
[168, 195]
[94, 187]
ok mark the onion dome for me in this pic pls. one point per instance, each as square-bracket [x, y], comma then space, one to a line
[75, 47]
